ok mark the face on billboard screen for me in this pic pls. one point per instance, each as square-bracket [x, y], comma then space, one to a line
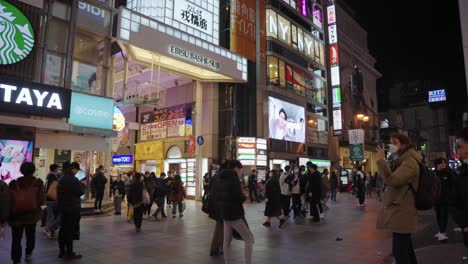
[286, 121]
[12, 154]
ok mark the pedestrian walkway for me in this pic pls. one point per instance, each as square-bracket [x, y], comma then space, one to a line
[110, 239]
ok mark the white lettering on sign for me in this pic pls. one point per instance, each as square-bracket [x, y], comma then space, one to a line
[332, 35]
[191, 56]
[284, 31]
[273, 26]
[24, 96]
[96, 11]
[331, 14]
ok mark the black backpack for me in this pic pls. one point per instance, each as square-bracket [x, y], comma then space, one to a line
[423, 198]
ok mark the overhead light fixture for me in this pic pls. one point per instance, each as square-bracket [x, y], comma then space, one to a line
[360, 116]
[365, 118]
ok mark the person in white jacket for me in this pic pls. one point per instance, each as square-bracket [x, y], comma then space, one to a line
[296, 193]
[285, 185]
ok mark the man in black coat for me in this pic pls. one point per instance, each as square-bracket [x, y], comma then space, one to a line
[69, 192]
[459, 198]
[441, 200]
[314, 190]
[99, 184]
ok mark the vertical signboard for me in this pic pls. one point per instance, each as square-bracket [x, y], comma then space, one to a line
[356, 144]
[243, 28]
[333, 48]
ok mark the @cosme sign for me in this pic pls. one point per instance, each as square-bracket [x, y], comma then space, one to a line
[34, 99]
[16, 34]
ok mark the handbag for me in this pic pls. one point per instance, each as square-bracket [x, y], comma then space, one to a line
[130, 213]
[146, 197]
[52, 192]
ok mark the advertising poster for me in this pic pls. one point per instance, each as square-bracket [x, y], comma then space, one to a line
[154, 131]
[84, 77]
[176, 127]
[162, 123]
[53, 70]
[243, 28]
[12, 154]
[286, 121]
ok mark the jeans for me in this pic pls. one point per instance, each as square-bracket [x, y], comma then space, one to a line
[314, 210]
[53, 217]
[98, 201]
[403, 250]
[17, 235]
[296, 201]
[176, 204]
[160, 202]
[138, 216]
[286, 204]
[241, 227]
[333, 195]
[70, 224]
[118, 203]
[442, 214]
[253, 192]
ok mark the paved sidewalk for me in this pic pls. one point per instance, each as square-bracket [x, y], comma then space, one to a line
[110, 239]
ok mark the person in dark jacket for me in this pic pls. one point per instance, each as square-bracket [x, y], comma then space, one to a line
[459, 198]
[333, 185]
[99, 184]
[253, 192]
[53, 218]
[4, 204]
[441, 205]
[273, 206]
[218, 234]
[118, 189]
[228, 198]
[314, 191]
[135, 198]
[360, 185]
[160, 192]
[25, 221]
[69, 192]
[303, 178]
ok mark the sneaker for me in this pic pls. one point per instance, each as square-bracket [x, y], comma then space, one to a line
[28, 258]
[322, 216]
[437, 235]
[174, 216]
[457, 229]
[181, 215]
[442, 237]
[73, 256]
[282, 221]
[267, 224]
[155, 218]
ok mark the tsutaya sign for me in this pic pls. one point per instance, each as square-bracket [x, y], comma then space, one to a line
[16, 34]
[36, 99]
[193, 57]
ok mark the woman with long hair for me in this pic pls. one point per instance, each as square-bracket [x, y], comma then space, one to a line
[273, 199]
[177, 195]
[135, 198]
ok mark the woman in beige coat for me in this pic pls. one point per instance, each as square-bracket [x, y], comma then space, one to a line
[398, 213]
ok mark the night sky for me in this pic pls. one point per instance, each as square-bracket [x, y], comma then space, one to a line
[417, 40]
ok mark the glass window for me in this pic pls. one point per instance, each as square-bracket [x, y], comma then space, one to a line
[272, 23]
[322, 54]
[300, 40]
[308, 46]
[289, 77]
[61, 10]
[53, 73]
[282, 73]
[299, 81]
[57, 35]
[94, 17]
[317, 129]
[273, 70]
[317, 51]
[284, 30]
[294, 36]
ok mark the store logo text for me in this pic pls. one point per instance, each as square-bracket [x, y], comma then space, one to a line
[24, 96]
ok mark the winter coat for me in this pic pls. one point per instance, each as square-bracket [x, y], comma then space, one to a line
[252, 181]
[314, 185]
[69, 192]
[29, 217]
[227, 196]
[333, 182]
[99, 181]
[161, 187]
[295, 185]
[179, 195]
[4, 202]
[51, 177]
[361, 181]
[398, 213]
[446, 178]
[285, 187]
[325, 185]
[458, 201]
[135, 194]
[118, 186]
[273, 194]
[150, 185]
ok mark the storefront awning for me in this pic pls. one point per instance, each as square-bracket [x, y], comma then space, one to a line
[152, 42]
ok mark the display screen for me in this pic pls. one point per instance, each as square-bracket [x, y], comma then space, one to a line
[12, 154]
[286, 121]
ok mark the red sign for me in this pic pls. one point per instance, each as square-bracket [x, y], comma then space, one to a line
[191, 145]
[247, 145]
[334, 55]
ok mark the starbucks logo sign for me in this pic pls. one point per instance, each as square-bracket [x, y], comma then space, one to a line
[16, 34]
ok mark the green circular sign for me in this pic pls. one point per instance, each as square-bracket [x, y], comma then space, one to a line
[16, 34]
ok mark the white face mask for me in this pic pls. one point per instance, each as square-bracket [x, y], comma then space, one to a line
[393, 149]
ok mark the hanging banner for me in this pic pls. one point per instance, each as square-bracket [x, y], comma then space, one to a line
[356, 144]
[243, 28]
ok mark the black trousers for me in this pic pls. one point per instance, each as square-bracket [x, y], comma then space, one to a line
[286, 204]
[253, 192]
[314, 210]
[138, 216]
[70, 225]
[296, 201]
[147, 210]
[403, 250]
[17, 234]
[98, 200]
[361, 195]
[442, 214]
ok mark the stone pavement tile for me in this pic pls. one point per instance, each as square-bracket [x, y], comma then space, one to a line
[443, 254]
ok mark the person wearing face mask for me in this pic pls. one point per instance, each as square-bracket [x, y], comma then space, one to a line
[296, 193]
[458, 200]
[227, 199]
[99, 182]
[445, 177]
[398, 212]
